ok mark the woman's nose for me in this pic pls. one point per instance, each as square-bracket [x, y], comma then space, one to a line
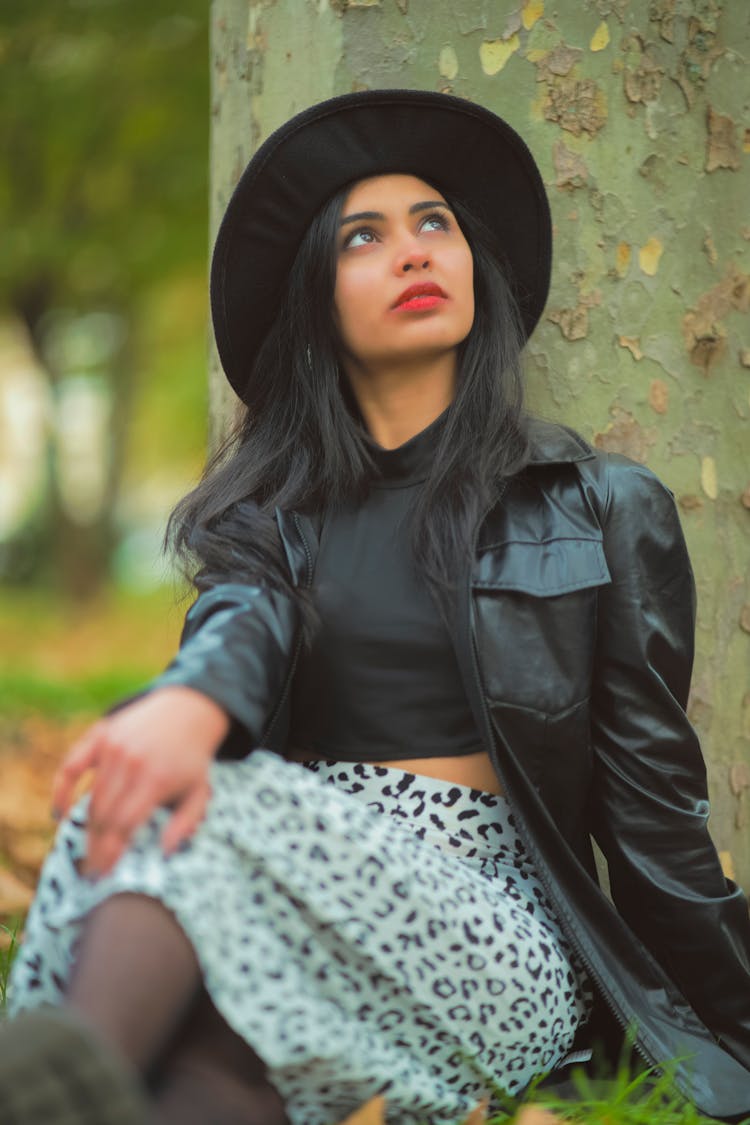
[412, 257]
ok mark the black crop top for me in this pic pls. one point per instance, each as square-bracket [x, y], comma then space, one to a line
[381, 680]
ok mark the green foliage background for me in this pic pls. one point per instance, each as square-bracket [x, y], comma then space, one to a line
[103, 201]
[103, 207]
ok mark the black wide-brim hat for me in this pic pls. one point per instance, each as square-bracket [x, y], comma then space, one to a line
[458, 147]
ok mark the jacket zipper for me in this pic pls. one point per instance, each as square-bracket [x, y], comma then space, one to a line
[540, 867]
[542, 873]
[279, 708]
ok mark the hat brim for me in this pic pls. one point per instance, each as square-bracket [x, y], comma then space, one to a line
[459, 147]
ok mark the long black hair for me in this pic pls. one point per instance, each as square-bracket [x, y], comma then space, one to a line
[300, 444]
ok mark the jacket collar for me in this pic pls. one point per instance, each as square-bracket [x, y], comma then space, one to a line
[550, 444]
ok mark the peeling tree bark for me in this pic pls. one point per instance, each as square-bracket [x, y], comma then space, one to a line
[634, 110]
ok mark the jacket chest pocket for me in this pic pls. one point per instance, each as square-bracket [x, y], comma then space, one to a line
[534, 607]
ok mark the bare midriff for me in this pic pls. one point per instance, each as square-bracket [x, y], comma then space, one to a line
[473, 770]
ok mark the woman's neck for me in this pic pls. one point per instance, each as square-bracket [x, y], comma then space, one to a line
[396, 404]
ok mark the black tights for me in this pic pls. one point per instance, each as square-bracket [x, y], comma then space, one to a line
[138, 983]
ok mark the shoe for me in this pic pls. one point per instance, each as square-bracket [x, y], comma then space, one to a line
[54, 1071]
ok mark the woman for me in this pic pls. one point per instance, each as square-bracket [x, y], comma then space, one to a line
[463, 641]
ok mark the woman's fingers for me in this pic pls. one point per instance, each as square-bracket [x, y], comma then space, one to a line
[116, 777]
[127, 790]
[109, 837]
[107, 841]
[186, 817]
[81, 757]
[107, 834]
[103, 849]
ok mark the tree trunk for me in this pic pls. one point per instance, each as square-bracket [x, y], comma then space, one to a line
[633, 109]
[66, 550]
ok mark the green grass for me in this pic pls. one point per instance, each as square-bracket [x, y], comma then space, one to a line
[60, 660]
[626, 1099]
[29, 693]
[7, 954]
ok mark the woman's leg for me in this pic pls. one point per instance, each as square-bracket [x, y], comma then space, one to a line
[137, 982]
[136, 977]
[211, 1074]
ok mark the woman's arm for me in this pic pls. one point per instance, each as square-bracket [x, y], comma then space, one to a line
[649, 800]
[236, 648]
[156, 749]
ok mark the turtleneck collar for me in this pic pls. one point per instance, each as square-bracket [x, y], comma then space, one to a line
[408, 463]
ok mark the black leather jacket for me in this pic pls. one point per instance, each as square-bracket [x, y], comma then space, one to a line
[574, 633]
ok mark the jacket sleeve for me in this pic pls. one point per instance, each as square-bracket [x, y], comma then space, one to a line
[649, 802]
[236, 647]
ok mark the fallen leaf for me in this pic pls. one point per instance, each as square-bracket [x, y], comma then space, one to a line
[536, 1115]
[15, 896]
[372, 1113]
[478, 1116]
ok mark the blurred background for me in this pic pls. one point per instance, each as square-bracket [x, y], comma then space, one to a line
[103, 211]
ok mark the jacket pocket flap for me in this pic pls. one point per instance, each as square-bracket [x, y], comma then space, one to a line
[544, 569]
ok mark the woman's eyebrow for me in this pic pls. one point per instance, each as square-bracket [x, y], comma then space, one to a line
[359, 215]
[427, 205]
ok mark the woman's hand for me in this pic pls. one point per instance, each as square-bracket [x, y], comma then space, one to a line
[155, 751]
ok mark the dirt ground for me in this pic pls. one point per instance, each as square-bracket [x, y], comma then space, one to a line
[30, 750]
[60, 644]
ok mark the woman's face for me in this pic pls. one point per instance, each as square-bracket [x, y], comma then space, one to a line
[405, 274]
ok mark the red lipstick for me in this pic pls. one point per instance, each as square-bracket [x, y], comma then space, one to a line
[424, 295]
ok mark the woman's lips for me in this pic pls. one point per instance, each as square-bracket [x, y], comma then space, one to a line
[426, 295]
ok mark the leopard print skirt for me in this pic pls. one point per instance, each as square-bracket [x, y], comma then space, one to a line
[366, 930]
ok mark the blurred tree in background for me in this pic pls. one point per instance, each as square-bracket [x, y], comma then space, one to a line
[103, 206]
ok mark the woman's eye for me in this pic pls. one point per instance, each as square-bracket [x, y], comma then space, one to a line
[436, 221]
[362, 237]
